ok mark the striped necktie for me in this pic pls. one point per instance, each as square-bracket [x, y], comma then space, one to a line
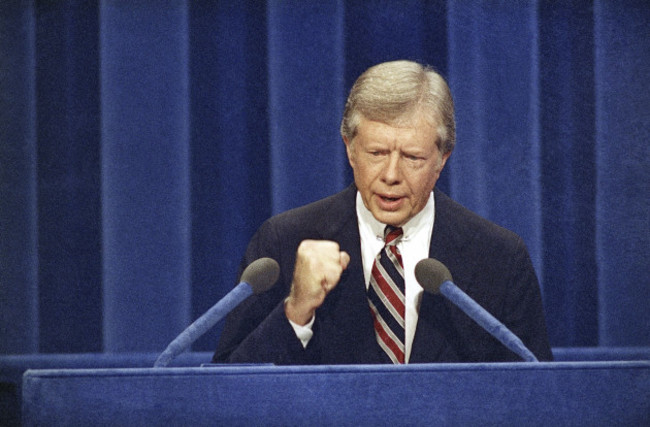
[386, 296]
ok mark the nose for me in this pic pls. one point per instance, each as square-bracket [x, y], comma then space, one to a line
[391, 173]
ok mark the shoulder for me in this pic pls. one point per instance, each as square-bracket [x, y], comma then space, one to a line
[323, 219]
[279, 236]
[320, 218]
[475, 249]
[463, 227]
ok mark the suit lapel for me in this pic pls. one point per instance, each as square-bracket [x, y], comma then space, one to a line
[432, 341]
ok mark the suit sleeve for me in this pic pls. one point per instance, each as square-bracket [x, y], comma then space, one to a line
[523, 309]
[257, 331]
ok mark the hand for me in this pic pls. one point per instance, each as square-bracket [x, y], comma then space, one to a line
[319, 265]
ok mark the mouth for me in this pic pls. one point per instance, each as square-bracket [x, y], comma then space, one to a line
[389, 198]
[389, 202]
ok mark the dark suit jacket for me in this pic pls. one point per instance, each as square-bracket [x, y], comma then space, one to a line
[490, 263]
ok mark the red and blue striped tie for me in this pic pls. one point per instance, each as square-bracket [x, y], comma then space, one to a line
[386, 296]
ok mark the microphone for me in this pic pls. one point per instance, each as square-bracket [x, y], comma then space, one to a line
[435, 278]
[258, 277]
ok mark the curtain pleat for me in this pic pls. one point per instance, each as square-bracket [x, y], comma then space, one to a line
[143, 142]
[568, 174]
[622, 68]
[19, 330]
[145, 173]
[68, 179]
[305, 39]
[230, 149]
[493, 77]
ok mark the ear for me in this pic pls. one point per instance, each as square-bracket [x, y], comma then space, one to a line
[349, 151]
[443, 162]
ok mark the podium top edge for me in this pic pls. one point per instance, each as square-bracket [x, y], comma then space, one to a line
[228, 369]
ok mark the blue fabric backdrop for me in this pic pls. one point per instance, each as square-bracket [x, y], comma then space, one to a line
[143, 142]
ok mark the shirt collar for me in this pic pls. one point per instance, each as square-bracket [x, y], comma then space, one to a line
[423, 219]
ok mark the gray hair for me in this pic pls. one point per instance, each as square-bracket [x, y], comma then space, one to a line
[393, 92]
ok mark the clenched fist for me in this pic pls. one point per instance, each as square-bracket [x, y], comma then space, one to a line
[319, 265]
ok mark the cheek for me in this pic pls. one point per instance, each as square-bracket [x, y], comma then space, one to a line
[421, 184]
[362, 181]
[367, 171]
[436, 168]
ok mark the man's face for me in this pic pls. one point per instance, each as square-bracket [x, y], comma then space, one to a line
[395, 168]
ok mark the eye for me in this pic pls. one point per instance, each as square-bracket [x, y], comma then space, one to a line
[412, 157]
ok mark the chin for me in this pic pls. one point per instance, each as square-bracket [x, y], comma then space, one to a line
[391, 219]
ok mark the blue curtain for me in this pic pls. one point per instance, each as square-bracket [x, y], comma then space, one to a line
[143, 142]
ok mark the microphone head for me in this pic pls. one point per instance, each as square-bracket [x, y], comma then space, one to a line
[261, 274]
[431, 274]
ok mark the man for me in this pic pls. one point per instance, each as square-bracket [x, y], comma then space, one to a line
[347, 295]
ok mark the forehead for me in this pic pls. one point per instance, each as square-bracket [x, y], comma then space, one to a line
[415, 130]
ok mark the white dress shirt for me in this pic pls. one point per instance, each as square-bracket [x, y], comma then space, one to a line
[414, 246]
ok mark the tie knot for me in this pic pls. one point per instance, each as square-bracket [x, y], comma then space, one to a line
[392, 235]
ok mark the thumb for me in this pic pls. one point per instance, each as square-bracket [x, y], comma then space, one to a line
[344, 259]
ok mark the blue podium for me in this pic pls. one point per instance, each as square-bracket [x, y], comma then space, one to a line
[532, 394]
